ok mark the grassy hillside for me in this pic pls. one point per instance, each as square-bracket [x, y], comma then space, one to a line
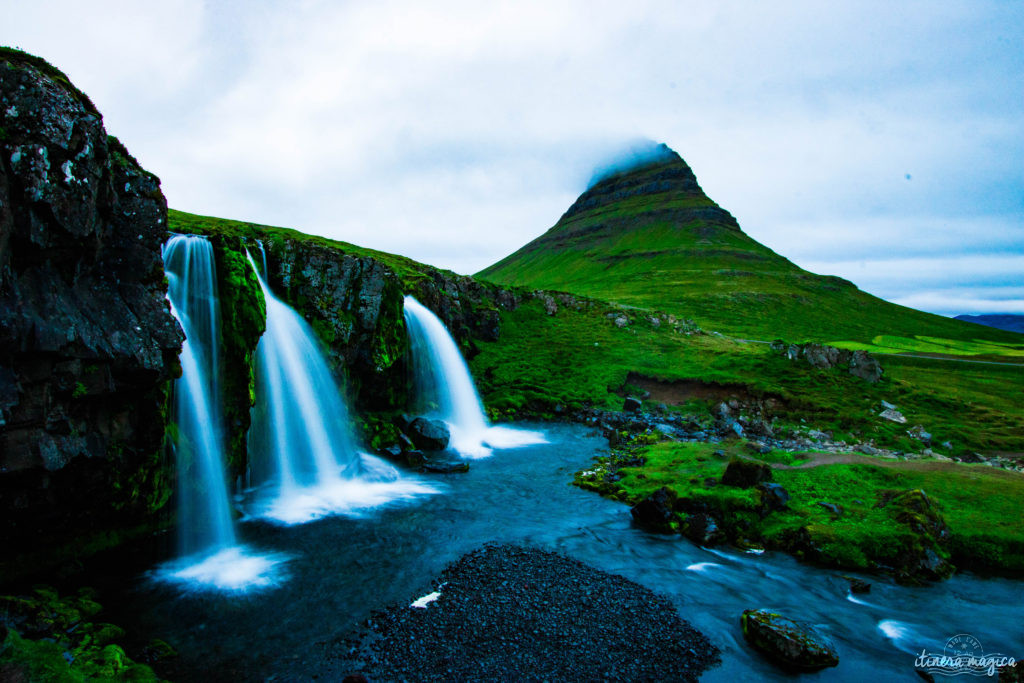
[651, 238]
[579, 358]
[183, 222]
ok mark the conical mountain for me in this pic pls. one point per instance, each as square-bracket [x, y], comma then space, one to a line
[648, 236]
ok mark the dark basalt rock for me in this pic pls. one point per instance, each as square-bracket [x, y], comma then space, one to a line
[833, 508]
[655, 511]
[858, 585]
[743, 473]
[429, 435]
[792, 644]
[87, 341]
[701, 528]
[632, 404]
[444, 465]
[773, 496]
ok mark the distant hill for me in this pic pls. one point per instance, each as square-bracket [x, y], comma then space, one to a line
[648, 236]
[1001, 321]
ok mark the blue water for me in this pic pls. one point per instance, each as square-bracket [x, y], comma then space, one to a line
[343, 568]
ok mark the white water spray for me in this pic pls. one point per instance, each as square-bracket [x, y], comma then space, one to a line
[444, 386]
[301, 427]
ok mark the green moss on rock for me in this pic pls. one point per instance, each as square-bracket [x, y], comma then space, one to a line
[243, 321]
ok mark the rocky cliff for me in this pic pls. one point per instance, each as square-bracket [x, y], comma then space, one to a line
[87, 342]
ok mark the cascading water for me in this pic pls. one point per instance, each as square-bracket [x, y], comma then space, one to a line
[204, 516]
[208, 552]
[444, 387]
[300, 432]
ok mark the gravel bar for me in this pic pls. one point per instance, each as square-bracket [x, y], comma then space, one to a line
[510, 613]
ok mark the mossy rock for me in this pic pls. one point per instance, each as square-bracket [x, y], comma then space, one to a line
[792, 644]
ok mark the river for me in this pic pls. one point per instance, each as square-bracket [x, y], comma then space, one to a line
[342, 568]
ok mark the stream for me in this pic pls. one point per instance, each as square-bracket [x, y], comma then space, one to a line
[339, 569]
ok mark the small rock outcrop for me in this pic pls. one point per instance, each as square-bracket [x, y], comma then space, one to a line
[858, 363]
[87, 341]
[793, 644]
[924, 556]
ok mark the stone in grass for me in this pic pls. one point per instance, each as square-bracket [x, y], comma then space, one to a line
[773, 496]
[632, 404]
[893, 415]
[792, 644]
[429, 435]
[743, 473]
[759, 447]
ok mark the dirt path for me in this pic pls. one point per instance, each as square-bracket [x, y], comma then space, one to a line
[820, 459]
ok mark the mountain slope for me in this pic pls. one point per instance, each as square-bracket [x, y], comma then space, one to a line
[649, 237]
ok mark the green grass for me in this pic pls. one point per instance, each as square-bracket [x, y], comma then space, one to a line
[887, 343]
[183, 222]
[667, 247]
[580, 358]
[980, 505]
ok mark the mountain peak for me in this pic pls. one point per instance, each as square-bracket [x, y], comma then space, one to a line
[648, 170]
[634, 157]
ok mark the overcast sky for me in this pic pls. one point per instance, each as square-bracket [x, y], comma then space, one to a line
[879, 141]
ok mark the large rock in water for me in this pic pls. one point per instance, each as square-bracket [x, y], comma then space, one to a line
[793, 644]
[430, 435]
[87, 341]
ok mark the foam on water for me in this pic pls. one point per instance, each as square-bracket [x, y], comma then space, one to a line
[230, 570]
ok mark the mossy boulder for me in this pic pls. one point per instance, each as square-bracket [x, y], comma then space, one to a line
[793, 644]
[743, 473]
[925, 551]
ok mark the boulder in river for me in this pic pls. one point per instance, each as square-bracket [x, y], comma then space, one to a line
[793, 644]
[441, 464]
[428, 434]
[702, 529]
[655, 511]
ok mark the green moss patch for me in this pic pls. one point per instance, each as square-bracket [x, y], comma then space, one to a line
[856, 516]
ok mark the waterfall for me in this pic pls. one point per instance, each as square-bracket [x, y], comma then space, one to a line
[443, 386]
[300, 435]
[204, 515]
[209, 556]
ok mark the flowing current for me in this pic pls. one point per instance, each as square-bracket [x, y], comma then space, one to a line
[444, 388]
[209, 556]
[303, 452]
